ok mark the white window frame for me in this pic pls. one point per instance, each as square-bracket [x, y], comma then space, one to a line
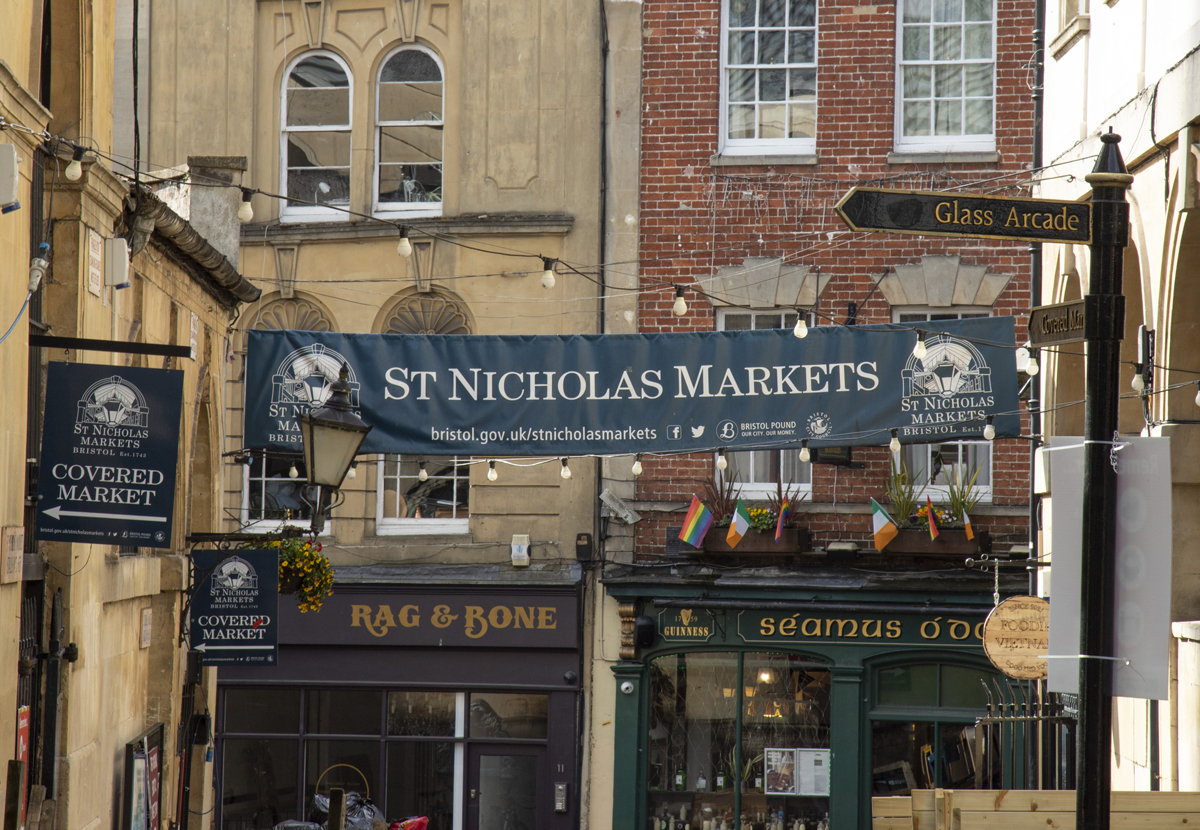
[251, 525]
[936, 143]
[934, 490]
[311, 213]
[412, 527]
[399, 210]
[765, 146]
[762, 490]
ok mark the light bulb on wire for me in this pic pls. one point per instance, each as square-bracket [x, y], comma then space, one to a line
[894, 444]
[492, 474]
[680, 307]
[353, 471]
[566, 471]
[293, 472]
[422, 475]
[74, 170]
[801, 329]
[721, 462]
[804, 454]
[1198, 393]
[989, 431]
[919, 350]
[404, 246]
[548, 274]
[1138, 383]
[637, 464]
[1031, 368]
[246, 210]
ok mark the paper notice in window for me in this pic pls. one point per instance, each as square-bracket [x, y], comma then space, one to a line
[812, 772]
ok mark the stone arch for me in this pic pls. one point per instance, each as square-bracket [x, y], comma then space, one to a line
[300, 312]
[1130, 414]
[1068, 373]
[1182, 347]
[425, 312]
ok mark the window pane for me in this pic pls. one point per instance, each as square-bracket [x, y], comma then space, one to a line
[741, 84]
[803, 121]
[947, 43]
[508, 716]
[770, 12]
[312, 107]
[410, 65]
[351, 765]
[507, 792]
[958, 756]
[443, 495]
[741, 122]
[693, 710]
[803, 13]
[947, 81]
[319, 149]
[916, 11]
[421, 713]
[901, 757]
[962, 687]
[947, 11]
[259, 783]
[410, 102]
[978, 80]
[262, 710]
[343, 712]
[317, 71]
[275, 495]
[982, 9]
[771, 120]
[916, 81]
[770, 48]
[741, 47]
[420, 782]
[979, 118]
[803, 83]
[948, 117]
[802, 47]
[916, 43]
[916, 118]
[325, 186]
[410, 145]
[977, 41]
[410, 183]
[737, 322]
[741, 12]
[908, 686]
[767, 321]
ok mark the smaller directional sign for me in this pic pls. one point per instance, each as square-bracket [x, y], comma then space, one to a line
[1055, 325]
[965, 214]
[235, 606]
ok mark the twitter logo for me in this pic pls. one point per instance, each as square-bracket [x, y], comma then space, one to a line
[697, 431]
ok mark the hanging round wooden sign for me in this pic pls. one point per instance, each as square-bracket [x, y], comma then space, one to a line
[1016, 637]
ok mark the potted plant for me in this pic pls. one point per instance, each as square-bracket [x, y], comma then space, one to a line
[304, 571]
[912, 517]
[760, 539]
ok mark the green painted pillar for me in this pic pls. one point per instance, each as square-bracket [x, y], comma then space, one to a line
[629, 747]
[846, 743]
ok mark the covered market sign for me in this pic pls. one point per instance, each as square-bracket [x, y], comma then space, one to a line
[602, 394]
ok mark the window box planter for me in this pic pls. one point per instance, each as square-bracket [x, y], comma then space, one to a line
[793, 540]
[951, 541]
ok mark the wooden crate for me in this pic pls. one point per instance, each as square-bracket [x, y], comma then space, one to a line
[1028, 810]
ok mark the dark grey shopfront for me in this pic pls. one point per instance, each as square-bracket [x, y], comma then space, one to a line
[459, 703]
[792, 700]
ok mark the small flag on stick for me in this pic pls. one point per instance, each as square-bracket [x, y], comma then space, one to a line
[885, 529]
[696, 523]
[785, 513]
[933, 531]
[739, 526]
[967, 526]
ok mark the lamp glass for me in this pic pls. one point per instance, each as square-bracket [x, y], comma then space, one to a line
[329, 449]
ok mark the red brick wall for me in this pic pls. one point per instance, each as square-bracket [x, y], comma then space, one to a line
[695, 217]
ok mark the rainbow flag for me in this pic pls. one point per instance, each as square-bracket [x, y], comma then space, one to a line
[696, 523]
[933, 531]
[785, 513]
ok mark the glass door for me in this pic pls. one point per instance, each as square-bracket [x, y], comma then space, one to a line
[506, 788]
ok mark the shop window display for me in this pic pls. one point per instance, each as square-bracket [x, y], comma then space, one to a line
[700, 775]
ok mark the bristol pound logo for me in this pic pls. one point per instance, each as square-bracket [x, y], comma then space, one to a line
[303, 382]
[113, 403]
[819, 425]
[947, 391]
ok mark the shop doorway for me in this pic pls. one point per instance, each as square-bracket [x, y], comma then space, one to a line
[508, 787]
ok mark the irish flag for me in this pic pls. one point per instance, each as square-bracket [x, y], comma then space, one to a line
[696, 523]
[739, 526]
[967, 526]
[885, 529]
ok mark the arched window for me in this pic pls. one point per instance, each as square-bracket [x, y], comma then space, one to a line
[408, 133]
[315, 137]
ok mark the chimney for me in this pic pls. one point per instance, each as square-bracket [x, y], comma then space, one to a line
[213, 209]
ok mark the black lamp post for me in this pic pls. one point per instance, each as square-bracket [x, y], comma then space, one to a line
[332, 436]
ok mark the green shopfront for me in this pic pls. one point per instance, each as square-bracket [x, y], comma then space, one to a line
[792, 707]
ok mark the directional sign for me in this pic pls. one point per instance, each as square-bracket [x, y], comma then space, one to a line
[1053, 325]
[235, 605]
[965, 214]
[110, 447]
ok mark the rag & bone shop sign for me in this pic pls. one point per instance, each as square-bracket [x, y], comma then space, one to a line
[110, 445]
[435, 618]
[780, 627]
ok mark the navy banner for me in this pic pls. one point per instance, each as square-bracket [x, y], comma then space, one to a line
[613, 394]
[110, 444]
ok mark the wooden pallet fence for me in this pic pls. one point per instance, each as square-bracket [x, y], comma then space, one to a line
[1028, 810]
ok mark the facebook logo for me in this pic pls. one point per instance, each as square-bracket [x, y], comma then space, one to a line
[674, 432]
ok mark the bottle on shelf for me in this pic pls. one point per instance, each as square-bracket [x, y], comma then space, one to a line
[720, 780]
[701, 783]
[680, 779]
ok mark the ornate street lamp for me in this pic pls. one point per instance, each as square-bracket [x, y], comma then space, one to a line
[332, 436]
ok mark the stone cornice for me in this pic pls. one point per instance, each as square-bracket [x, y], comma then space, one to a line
[17, 104]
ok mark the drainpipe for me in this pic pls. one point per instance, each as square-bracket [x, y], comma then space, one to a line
[1034, 757]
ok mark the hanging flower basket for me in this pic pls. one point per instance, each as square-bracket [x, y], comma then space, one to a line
[305, 572]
